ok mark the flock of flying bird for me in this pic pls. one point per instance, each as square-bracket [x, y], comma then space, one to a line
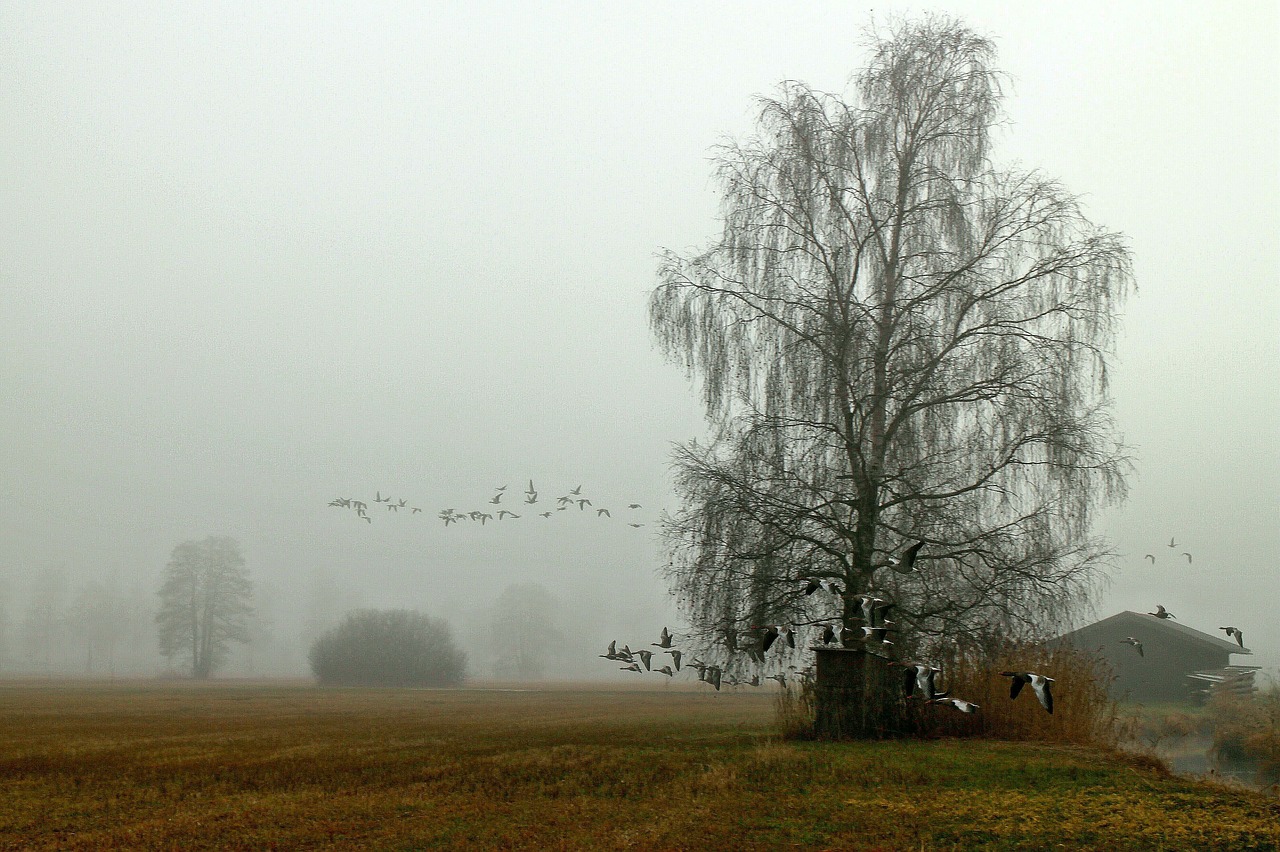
[497, 512]
[919, 677]
[1173, 544]
[1162, 614]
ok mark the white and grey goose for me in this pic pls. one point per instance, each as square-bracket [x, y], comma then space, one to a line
[958, 703]
[919, 676]
[1234, 632]
[1039, 683]
[906, 563]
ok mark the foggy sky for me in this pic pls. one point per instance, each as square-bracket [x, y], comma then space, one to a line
[254, 259]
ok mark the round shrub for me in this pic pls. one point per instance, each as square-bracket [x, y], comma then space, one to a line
[397, 647]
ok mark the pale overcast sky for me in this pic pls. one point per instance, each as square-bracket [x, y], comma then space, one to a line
[254, 257]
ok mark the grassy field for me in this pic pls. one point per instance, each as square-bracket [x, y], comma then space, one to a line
[290, 766]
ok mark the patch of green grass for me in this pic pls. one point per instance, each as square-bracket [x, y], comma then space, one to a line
[296, 767]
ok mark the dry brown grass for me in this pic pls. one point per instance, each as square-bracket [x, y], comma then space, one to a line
[271, 766]
[1083, 713]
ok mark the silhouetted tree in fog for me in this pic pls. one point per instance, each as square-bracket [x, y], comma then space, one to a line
[205, 603]
[897, 342]
[522, 633]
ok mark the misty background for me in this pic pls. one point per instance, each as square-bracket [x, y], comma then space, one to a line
[253, 259]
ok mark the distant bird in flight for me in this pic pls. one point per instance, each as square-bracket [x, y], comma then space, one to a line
[603, 512]
[664, 641]
[1188, 555]
[1234, 631]
[634, 506]
[1172, 543]
[576, 491]
[1161, 612]
[378, 498]
[637, 526]
[675, 657]
[583, 504]
[504, 513]
[497, 498]
[666, 670]
[545, 514]
[501, 488]
[367, 519]
[1129, 640]
[906, 563]
[531, 498]
[1152, 557]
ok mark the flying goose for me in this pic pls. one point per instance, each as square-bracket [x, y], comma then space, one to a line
[1234, 631]
[497, 498]
[675, 657]
[666, 670]
[1152, 557]
[825, 585]
[1162, 613]
[1188, 555]
[503, 513]
[646, 657]
[906, 563]
[634, 506]
[1172, 543]
[919, 676]
[637, 526]
[604, 512]
[1129, 640]
[958, 703]
[771, 634]
[576, 491]
[664, 641]
[1038, 682]
[531, 498]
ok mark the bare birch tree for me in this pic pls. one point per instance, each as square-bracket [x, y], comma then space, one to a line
[205, 603]
[897, 341]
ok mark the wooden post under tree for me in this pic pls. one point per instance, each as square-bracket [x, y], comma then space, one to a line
[858, 696]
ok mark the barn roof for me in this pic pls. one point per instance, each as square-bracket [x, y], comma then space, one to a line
[1156, 626]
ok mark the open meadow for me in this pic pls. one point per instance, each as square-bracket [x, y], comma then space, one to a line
[291, 766]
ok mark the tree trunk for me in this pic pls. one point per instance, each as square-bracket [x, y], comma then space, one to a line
[858, 696]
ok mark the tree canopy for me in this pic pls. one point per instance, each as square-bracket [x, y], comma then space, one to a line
[897, 341]
[205, 603]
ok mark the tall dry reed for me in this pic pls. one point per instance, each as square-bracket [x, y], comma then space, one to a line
[1083, 712]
